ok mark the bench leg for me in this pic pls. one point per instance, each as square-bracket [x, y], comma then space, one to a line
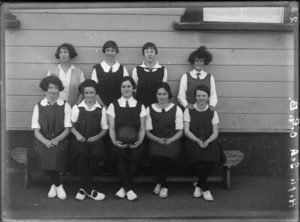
[26, 177]
[226, 177]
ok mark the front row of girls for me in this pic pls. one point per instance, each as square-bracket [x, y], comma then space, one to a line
[162, 122]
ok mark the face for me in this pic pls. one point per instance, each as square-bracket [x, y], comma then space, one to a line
[201, 97]
[89, 94]
[162, 96]
[110, 53]
[64, 55]
[149, 55]
[126, 89]
[52, 92]
[198, 64]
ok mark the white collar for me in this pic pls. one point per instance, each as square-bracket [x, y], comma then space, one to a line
[156, 66]
[157, 109]
[106, 67]
[59, 102]
[202, 72]
[195, 105]
[131, 99]
[83, 104]
[71, 67]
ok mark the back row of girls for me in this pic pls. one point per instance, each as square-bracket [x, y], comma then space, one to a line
[89, 121]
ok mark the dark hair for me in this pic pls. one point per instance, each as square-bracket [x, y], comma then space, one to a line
[130, 79]
[149, 45]
[71, 49]
[204, 88]
[45, 82]
[201, 53]
[110, 44]
[88, 83]
[166, 87]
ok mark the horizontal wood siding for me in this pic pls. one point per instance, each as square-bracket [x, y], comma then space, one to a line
[254, 71]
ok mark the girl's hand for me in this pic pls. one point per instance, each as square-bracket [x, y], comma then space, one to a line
[120, 144]
[190, 106]
[92, 139]
[48, 144]
[162, 140]
[54, 142]
[135, 145]
[168, 141]
[212, 108]
[80, 138]
[200, 143]
[205, 144]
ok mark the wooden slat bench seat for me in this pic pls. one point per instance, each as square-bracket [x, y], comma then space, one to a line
[234, 157]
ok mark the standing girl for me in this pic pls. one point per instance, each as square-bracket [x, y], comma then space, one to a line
[189, 81]
[108, 74]
[148, 75]
[70, 75]
[126, 111]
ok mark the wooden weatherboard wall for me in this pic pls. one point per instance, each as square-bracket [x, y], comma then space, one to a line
[254, 71]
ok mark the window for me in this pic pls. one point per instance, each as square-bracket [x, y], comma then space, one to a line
[247, 14]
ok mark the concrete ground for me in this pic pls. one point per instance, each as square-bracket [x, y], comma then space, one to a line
[251, 198]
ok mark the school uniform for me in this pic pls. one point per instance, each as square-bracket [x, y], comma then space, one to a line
[89, 123]
[109, 80]
[126, 160]
[70, 80]
[164, 123]
[52, 121]
[188, 84]
[147, 80]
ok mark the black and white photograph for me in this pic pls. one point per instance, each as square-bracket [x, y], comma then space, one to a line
[150, 111]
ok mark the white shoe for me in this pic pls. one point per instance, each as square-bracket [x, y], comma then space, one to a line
[61, 194]
[197, 192]
[157, 189]
[207, 196]
[81, 194]
[121, 193]
[131, 195]
[163, 193]
[96, 195]
[52, 192]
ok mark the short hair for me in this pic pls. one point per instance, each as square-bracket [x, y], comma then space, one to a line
[165, 86]
[52, 79]
[201, 53]
[203, 88]
[130, 79]
[88, 83]
[71, 49]
[110, 44]
[149, 45]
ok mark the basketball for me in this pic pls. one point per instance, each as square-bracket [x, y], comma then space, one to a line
[127, 134]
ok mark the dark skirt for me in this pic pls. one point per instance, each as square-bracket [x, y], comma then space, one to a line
[40, 158]
[213, 152]
[131, 154]
[173, 150]
[88, 149]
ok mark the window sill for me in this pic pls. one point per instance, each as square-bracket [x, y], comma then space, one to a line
[220, 26]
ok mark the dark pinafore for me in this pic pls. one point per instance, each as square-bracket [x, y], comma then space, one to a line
[88, 125]
[109, 84]
[201, 127]
[40, 158]
[164, 127]
[147, 83]
[192, 85]
[127, 116]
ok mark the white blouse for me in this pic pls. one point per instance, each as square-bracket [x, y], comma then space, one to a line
[75, 113]
[178, 116]
[35, 116]
[122, 102]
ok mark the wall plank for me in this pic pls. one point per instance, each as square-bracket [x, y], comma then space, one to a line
[137, 38]
[166, 56]
[228, 122]
[226, 89]
[220, 73]
[97, 22]
[225, 105]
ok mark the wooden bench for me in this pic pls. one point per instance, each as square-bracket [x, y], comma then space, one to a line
[234, 157]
